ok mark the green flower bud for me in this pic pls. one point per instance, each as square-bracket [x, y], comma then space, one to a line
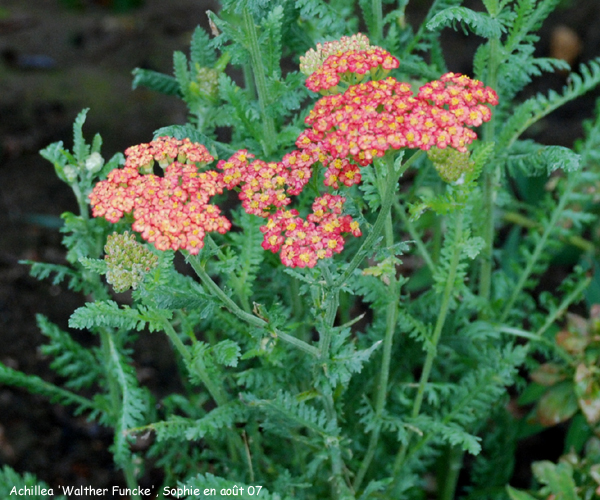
[207, 82]
[450, 163]
[127, 260]
[94, 163]
[70, 173]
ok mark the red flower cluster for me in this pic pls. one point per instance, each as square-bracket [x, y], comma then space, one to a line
[172, 212]
[350, 62]
[370, 118]
[347, 131]
[304, 242]
[263, 184]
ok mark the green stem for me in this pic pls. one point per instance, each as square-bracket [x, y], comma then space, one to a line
[399, 209]
[522, 220]
[197, 365]
[453, 464]
[437, 333]
[270, 138]
[377, 13]
[238, 282]
[537, 252]
[327, 331]
[386, 204]
[384, 373]
[490, 175]
[243, 315]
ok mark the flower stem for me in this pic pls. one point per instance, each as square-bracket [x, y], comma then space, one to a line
[386, 204]
[243, 315]
[437, 333]
[197, 365]
[490, 176]
[258, 68]
[390, 328]
[377, 13]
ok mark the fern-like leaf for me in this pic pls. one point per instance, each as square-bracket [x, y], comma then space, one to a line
[109, 314]
[11, 483]
[71, 360]
[153, 80]
[479, 23]
[37, 385]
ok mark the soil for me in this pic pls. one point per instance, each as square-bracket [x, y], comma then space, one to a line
[56, 60]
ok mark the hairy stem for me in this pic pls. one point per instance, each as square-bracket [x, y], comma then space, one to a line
[269, 141]
[253, 320]
[386, 204]
[490, 175]
[384, 373]
[437, 333]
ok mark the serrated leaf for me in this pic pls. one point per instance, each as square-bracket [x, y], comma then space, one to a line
[227, 352]
[473, 246]
[153, 80]
[558, 477]
[478, 22]
[80, 148]
[201, 51]
[97, 266]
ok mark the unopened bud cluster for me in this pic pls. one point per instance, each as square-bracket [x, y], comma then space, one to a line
[207, 82]
[127, 260]
[450, 163]
[314, 58]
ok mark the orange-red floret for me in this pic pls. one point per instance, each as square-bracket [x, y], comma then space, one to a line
[173, 211]
[301, 242]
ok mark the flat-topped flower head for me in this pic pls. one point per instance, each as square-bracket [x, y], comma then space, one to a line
[370, 118]
[173, 211]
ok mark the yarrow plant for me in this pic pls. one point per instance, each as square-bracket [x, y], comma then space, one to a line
[407, 297]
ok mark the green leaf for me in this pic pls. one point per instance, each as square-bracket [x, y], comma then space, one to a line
[71, 360]
[558, 404]
[227, 352]
[37, 385]
[153, 80]
[558, 477]
[10, 479]
[97, 266]
[472, 246]
[535, 159]
[221, 418]
[478, 22]
[515, 494]
[201, 51]
[80, 149]
[108, 313]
